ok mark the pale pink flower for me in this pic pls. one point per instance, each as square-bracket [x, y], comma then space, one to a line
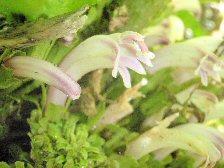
[119, 51]
[131, 51]
[24, 66]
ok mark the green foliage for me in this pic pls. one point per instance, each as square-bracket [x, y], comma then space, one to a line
[158, 100]
[183, 160]
[8, 83]
[32, 10]
[58, 51]
[220, 165]
[7, 79]
[17, 164]
[58, 140]
[145, 13]
[117, 137]
[118, 161]
[42, 30]
[149, 161]
[2, 131]
[192, 23]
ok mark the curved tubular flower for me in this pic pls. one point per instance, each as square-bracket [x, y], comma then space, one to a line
[197, 138]
[119, 51]
[193, 56]
[44, 71]
[210, 66]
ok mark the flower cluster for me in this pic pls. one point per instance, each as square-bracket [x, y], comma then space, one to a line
[130, 51]
[119, 51]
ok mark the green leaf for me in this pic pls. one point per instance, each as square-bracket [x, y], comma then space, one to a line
[63, 141]
[19, 164]
[42, 50]
[143, 13]
[123, 162]
[31, 33]
[7, 79]
[4, 165]
[183, 160]
[55, 113]
[191, 22]
[32, 10]
[148, 161]
[155, 102]
[120, 136]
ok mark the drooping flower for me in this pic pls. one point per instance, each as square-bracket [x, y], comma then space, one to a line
[24, 66]
[131, 51]
[210, 66]
[188, 56]
[202, 140]
[119, 51]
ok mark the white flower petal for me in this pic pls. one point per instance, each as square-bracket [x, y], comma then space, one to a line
[125, 76]
[132, 63]
[143, 46]
[204, 77]
[146, 60]
[150, 54]
[116, 64]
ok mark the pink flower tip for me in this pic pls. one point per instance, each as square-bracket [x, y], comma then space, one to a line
[131, 52]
